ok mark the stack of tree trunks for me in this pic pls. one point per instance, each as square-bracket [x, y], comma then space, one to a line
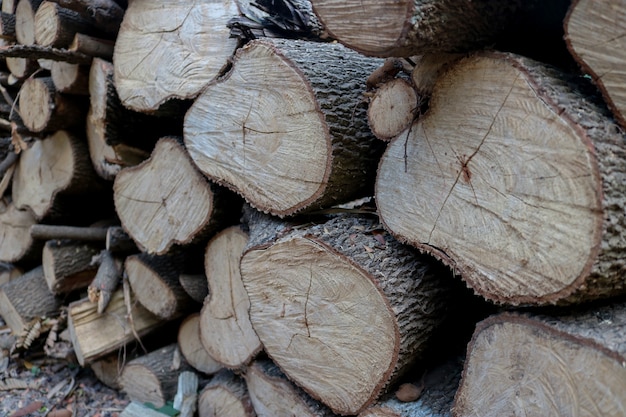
[276, 208]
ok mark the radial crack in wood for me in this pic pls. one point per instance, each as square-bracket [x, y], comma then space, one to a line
[515, 179]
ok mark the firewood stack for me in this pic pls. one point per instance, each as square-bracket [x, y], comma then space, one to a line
[274, 208]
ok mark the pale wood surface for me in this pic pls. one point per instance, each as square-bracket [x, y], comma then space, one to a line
[343, 312]
[56, 26]
[191, 346]
[166, 50]
[592, 34]
[25, 21]
[296, 134]
[70, 78]
[392, 109]
[558, 365]
[225, 395]
[516, 200]
[225, 328]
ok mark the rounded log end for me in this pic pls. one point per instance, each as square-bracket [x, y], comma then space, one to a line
[35, 103]
[47, 24]
[392, 109]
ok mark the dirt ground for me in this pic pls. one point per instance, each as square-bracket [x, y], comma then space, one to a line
[34, 384]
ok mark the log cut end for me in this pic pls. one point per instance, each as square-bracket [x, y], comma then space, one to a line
[191, 346]
[327, 338]
[392, 109]
[520, 366]
[498, 182]
[168, 50]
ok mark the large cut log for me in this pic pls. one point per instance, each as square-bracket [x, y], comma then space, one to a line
[154, 280]
[225, 395]
[25, 298]
[306, 292]
[170, 50]
[191, 347]
[411, 27]
[166, 201]
[590, 33]
[16, 244]
[96, 335]
[52, 169]
[225, 328]
[273, 395]
[153, 378]
[525, 201]
[429, 395]
[296, 136]
[566, 365]
[68, 265]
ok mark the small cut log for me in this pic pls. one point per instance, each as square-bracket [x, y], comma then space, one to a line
[296, 136]
[56, 26]
[225, 395]
[192, 349]
[68, 265]
[25, 21]
[70, 78]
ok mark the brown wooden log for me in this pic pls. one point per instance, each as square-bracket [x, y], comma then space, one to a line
[68, 265]
[273, 395]
[297, 104]
[65, 171]
[225, 328]
[430, 394]
[40, 53]
[154, 280]
[192, 349]
[25, 298]
[153, 378]
[563, 364]
[84, 234]
[56, 26]
[96, 335]
[95, 47]
[225, 395]
[590, 30]
[21, 68]
[525, 201]
[16, 244]
[183, 45]
[105, 15]
[166, 201]
[405, 28]
[392, 109]
[25, 21]
[306, 292]
[70, 78]
[42, 108]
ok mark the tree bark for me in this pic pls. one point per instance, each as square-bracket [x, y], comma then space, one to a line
[297, 135]
[153, 378]
[225, 395]
[42, 108]
[68, 265]
[191, 346]
[524, 201]
[25, 298]
[166, 201]
[183, 45]
[564, 364]
[96, 335]
[106, 281]
[273, 395]
[306, 292]
[104, 15]
[7, 26]
[195, 286]
[8, 272]
[225, 328]
[118, 241]
[84, 234]
[154, 280]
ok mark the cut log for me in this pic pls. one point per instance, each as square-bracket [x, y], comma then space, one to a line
[96, 47]
[538, 365]
[21, 68]
[183, 45]
[83, 234]
[56, 26]
[106, 281]
[109, 368]
[405, 28]
[166, 201]
[191, 346]
[104, 15]
[273, 395]
[25, 298]
[68, 265]
[225, 328]
[25, 21]
[525, 200]
[154, 280]
[225, 395]
[96, 335]
[306, 292]
[70, 78]
[16, 244]
[42, 108]
[195, 286]
[590, 33]
[52, 169]
[430, 395]
[296, 136]
[393, 109]
[153, 378]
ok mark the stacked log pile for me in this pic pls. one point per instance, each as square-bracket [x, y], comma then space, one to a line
[274, 208]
